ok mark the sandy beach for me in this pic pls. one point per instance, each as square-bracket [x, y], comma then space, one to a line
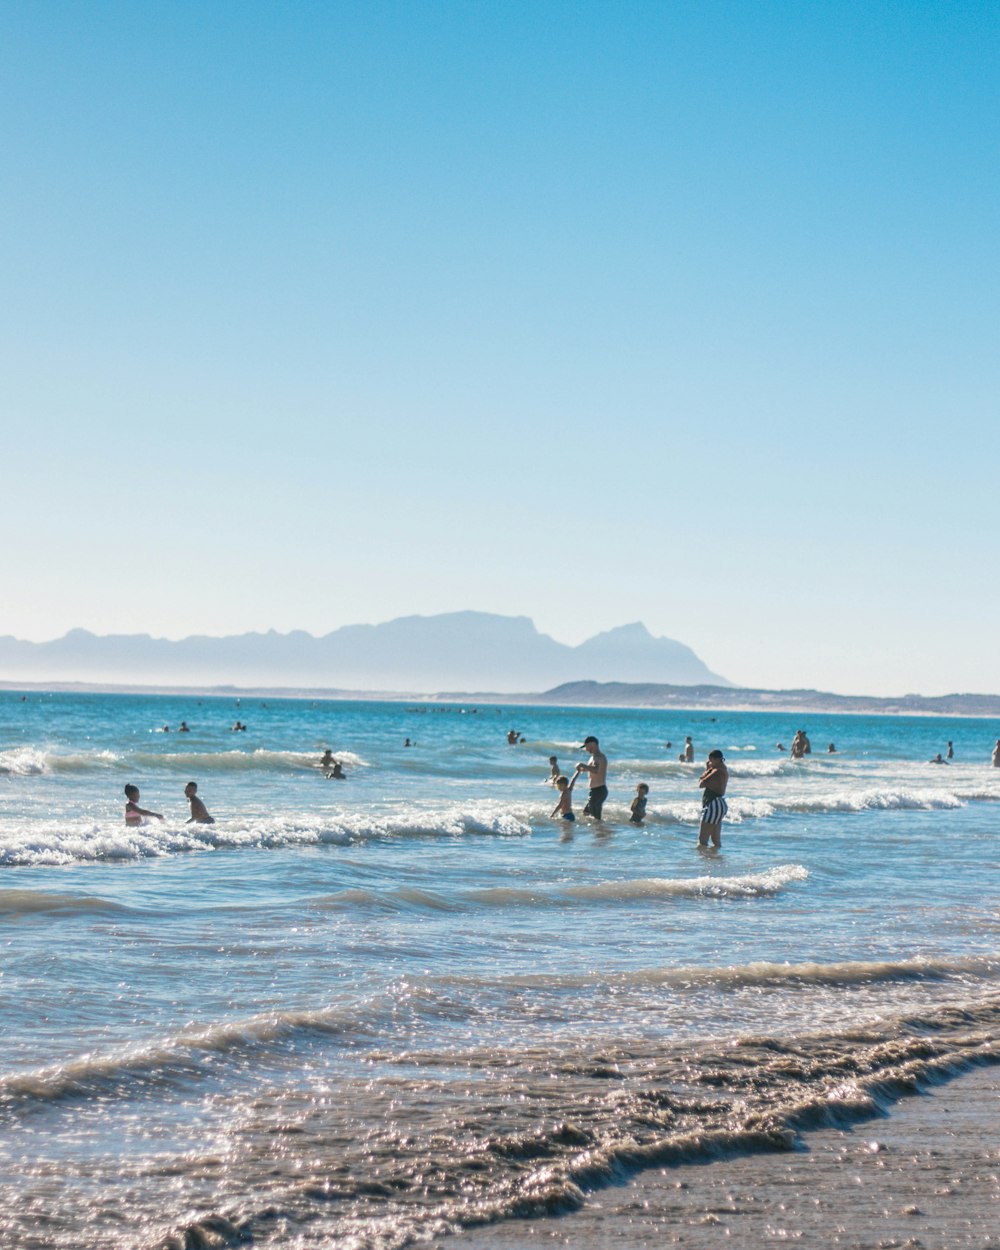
[926, 1177]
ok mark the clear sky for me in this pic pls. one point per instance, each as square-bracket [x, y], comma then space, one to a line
[321, 313]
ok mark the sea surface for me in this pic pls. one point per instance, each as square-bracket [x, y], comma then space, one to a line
[373, 1012]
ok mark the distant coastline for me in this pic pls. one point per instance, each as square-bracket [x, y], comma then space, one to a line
[576, 694]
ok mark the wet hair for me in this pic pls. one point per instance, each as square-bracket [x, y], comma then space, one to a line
[130, 789]
[562, 781]
[716, 755]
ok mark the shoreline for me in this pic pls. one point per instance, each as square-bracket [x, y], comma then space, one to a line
[496, 699]
[925, 1174]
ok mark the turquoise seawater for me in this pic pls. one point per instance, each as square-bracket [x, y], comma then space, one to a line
[370, 1011]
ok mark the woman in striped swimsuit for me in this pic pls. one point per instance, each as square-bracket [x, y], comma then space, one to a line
[713, 782]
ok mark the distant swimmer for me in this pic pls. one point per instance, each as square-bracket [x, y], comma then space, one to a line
[938, 759]
[165, 729]
[564, 807]
[512, 737]
[638, 808]
[667, 746]
[713, 782]
[996, 754]
[688, 750]
[779, 746]
[553, 770]
[798, 744]
[337, 772]
[182, 728]
[199, 812]
[597, 768]
[951, 751]
[134, 814]
[327, 761]
[831, 749]
[239, 728]
[407, 743]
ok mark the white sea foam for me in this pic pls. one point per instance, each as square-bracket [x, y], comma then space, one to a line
[50, 842]
[23, 762]
[34, 760]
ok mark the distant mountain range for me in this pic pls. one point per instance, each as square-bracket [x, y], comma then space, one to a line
[713, 697]
[413, 654]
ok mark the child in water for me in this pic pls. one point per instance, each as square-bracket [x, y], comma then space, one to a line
[639, 804]
[134, 814]
[564, 807]
[199, 812]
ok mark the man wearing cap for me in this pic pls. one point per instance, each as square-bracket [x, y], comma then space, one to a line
[598, 770]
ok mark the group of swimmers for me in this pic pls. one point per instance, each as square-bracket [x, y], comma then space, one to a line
[712, 783]
[136, 815]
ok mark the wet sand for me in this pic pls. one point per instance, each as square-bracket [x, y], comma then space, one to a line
[927, 1177]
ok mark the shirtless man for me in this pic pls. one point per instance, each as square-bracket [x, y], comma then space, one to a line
[598, 770]
[713, 782]
[199, 812]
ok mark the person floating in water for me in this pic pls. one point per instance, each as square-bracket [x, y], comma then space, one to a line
[831, 749]
[598, 770]
[182, 728]
[713, 782]
[564, 807]
[639, 804]
[337, 772]
[199, 812]
[134, 814]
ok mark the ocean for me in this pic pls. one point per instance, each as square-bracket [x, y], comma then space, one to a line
[374, 1012]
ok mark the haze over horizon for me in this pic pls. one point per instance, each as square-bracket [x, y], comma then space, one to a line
[583, 312]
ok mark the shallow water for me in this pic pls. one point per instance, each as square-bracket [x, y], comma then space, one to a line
[362, 1012]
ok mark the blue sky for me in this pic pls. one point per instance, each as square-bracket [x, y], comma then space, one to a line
[676, 312]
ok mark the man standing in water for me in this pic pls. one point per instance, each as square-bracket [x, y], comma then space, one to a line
[598, 770]
[713, 782]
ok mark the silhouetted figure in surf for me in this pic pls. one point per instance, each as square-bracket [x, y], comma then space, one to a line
[638, 808]
[713, 782]
[134, 814]
[564, 808]
[597, 768]
[199, 812]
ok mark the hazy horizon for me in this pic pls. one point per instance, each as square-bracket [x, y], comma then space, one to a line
[680, 313]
